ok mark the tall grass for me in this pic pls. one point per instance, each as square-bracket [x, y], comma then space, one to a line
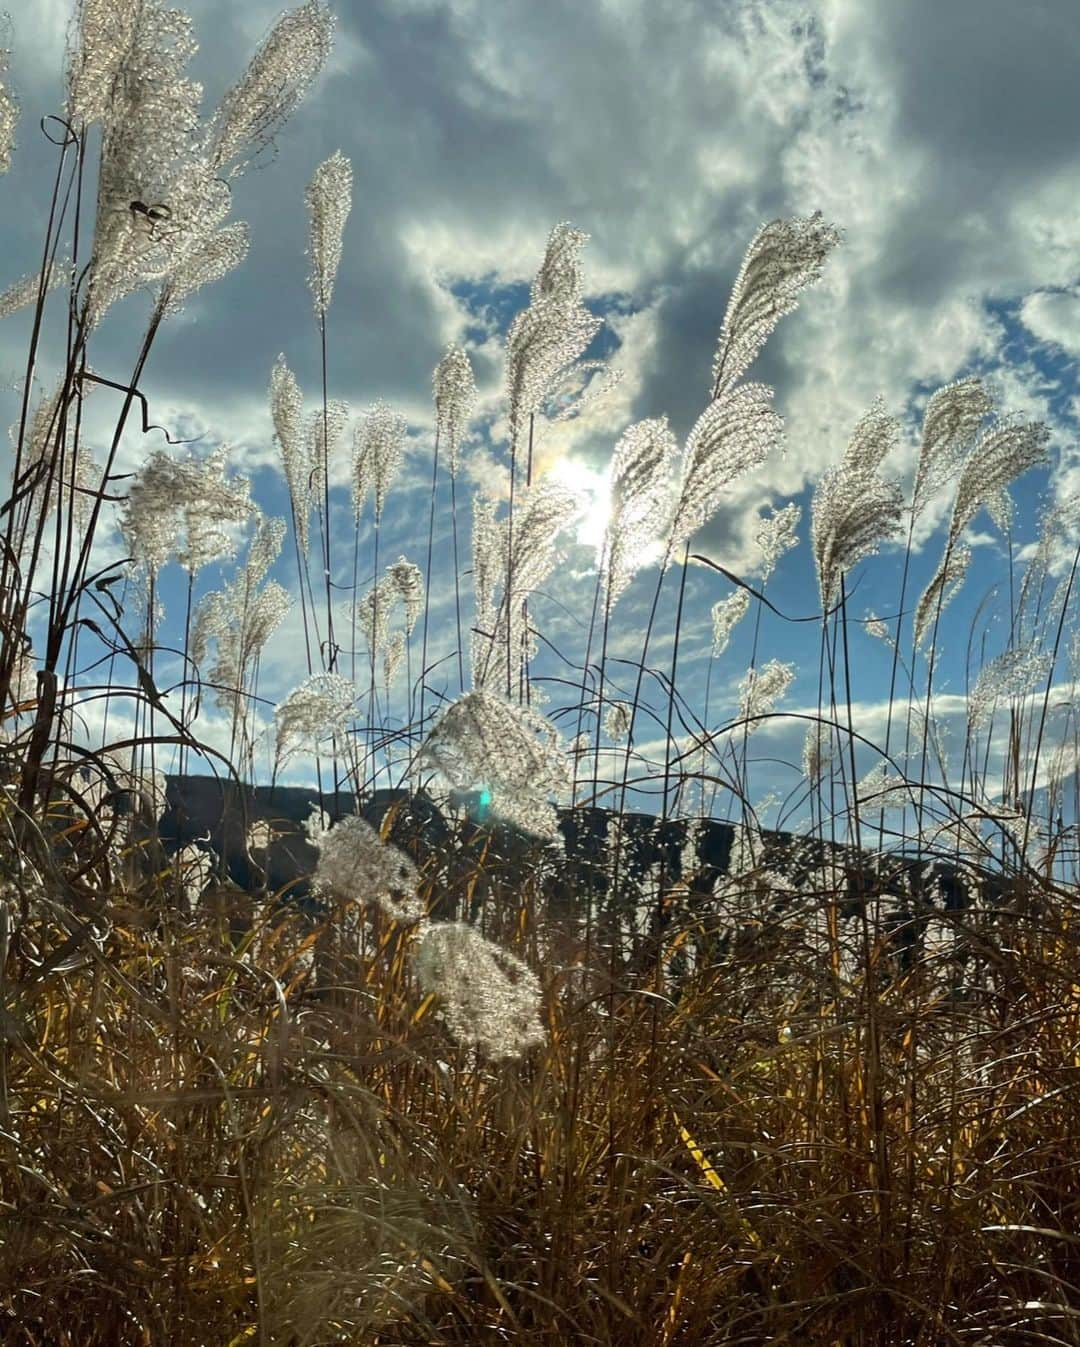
[502, 1088]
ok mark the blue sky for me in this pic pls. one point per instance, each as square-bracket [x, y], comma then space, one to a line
[939, 138]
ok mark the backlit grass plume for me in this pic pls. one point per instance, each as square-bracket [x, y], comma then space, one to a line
[488, 997]
[329, 200]
[484, 742]
[854, 509]
[9, 109]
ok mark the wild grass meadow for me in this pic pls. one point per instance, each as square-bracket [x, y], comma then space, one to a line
[497, 1043]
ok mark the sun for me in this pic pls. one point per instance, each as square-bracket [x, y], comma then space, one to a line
[594, 490]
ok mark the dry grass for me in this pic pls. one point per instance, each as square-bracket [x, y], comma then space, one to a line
[205, 1142]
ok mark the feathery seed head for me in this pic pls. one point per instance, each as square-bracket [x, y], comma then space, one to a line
[617, 721]
[733, 435]
[817, 750]
[273, 85]
[455, 397]
[356, 864]
[776, 535]
[762, 688]
[560, 276]
[329, 200]
[951, 421]
[489, 997]
[853, 509]
[187, 508]
[552, 332]
[100, 40]
[726, 615]
[407, 582]
[1008, 449]
[783, 258]
[941, 590]
[378, 449]
[318, 709]
[1014, 673]
[641, 469]
[9, 110]
[482, 740]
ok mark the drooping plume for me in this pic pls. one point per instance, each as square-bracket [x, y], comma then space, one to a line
[784, 257]
[641, 468]
[356, 864]
[488, 997]
[319, 709]
[951, 421]
[941, 590]
[483, 741]
[274, 84]
[726, 615]
[9, 109]
[552, 332]
[854, 509]
[762, 688]
[733, 435]
[186, 510]
[776, 535]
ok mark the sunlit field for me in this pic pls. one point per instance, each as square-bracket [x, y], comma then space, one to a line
[470, 875]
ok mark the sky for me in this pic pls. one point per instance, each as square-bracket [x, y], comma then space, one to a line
[939, 139]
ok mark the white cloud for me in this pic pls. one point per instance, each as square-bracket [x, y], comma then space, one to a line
[1054, 316]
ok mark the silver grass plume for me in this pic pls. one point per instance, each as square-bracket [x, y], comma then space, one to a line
[185, 508]
[357, 865]
[762, 688]
[329, 200]
[488, 997]
[209, 260]
[373, 616]
[726, 615]
[733, 435]
[407, 584]
[1006, 450]
[274, 84]
[853, 508]
[1014, 673]
[286, 404]
[877, 628]
[378, 449]
[941, 590]
[817, 750]
[319, 709]
[776, 535]
[1059, 524]
[617, 721]
[100, 40]
[489, 537]
[552, 332]
[482, 740]
[9, 110]
[455, 398]
[324, 433]
[393, 658]
[950, 423]
[24, 292]
[641, 469]
[241, 618]
[1001, 455]
[783, 258]
[149, 156]
[547, 508]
